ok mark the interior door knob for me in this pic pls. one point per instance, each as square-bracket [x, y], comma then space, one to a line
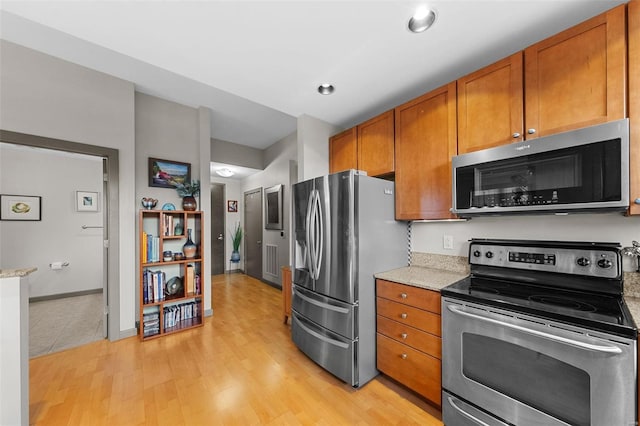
[220, 237]
[259, 242]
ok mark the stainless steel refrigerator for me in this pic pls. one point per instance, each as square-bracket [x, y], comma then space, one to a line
[344, 232]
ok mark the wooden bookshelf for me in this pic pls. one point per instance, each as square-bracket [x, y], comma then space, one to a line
[170, 310]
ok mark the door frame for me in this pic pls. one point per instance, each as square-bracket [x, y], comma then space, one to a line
[111, 230]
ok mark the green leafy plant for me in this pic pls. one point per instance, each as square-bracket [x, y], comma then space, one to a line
[236, 237]
[188, 189]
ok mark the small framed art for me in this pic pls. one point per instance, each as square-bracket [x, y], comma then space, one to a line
[232, 206]
[20, 207]
[86, 201]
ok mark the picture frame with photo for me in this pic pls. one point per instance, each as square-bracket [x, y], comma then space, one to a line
[232, 206]
[87, 201]
[168, 173]
[20, 207]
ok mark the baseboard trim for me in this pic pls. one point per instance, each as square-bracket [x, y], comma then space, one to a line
[64, 295]
[208, 312]
[126, 333]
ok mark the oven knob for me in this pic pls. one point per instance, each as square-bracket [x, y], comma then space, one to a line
[489, 254]
[476, 253]
[583, 261]
[605, 263]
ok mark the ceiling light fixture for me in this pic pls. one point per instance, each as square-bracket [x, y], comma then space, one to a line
[326, 89]
[422, 19]
[224, 172]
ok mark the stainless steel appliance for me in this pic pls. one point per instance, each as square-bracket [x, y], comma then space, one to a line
[580, 170]
[344, 232]
[539, 334]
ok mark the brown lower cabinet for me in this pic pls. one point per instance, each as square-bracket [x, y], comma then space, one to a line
[409, 346]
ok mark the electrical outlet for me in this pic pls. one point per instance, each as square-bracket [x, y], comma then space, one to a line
[447, 242]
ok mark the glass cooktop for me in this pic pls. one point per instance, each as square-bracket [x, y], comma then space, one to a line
[607, 313]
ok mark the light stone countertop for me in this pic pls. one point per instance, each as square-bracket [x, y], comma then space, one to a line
[421, 276]
[11, 273]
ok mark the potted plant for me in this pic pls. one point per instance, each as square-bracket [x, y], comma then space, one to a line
[188, 192]
[236, 239]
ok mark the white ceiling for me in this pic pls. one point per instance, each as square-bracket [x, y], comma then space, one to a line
[257, 64]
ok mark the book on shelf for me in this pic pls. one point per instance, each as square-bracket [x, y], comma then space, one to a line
[167, 226]
[190, 280]
[153, 284]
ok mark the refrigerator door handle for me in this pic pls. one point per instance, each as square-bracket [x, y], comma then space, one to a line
[320, 236]
[308, 241]
[323, 338]
[318, 303]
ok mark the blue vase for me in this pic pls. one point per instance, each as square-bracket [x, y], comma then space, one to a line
[235, 256]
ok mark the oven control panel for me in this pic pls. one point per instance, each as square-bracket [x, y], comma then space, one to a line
[594, 262]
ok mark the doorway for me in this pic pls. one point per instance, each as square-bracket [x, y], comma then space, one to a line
[253, 233]
[217, 229]
[109, 208]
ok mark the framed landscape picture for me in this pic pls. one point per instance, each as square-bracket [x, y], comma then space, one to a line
[20, 207]
[167, 174]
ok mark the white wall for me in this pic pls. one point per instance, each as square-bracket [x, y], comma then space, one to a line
[277, 159]
[55, 176]
[46, 96]
[313, 146]
[608, 227]
[171, 131]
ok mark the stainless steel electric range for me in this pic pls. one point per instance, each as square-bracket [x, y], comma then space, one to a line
[539, 334]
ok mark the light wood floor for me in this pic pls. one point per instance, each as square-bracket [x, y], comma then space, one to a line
[240, 368]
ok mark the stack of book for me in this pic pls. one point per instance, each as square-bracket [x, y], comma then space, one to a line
[167, 226]
[153, 283]
[151, 324]
[175, 313]
[150, 246]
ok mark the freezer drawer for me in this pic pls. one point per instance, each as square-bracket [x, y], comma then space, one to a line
[456, 412]
[331, 351]
[337, 316]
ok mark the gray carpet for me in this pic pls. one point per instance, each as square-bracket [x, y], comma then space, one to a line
[64, 323]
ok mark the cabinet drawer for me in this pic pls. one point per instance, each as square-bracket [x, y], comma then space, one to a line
[408, 315]
[414, 296]
[417, 339]
[412, 368]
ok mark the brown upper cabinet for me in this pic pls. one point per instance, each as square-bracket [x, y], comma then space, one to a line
[577, 78]
[376, 145]
[490, 105]
[571, 80]
[343, 151]
[425, 142]
[368, 147]
[634, 104]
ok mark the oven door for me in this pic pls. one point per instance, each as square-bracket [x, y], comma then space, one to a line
[531, 371]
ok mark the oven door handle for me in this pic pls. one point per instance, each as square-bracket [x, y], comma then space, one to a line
[572, 342]
[465, 414]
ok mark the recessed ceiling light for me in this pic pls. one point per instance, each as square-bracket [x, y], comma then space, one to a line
[224, 172]
[422, 20]
[326, 89]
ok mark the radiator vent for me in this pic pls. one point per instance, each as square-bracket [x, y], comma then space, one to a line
[271, 266]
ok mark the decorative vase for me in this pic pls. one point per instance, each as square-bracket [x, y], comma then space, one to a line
[189, 203]
[189, 248]
[235, 256]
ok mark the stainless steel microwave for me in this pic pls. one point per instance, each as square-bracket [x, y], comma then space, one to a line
[579, 170]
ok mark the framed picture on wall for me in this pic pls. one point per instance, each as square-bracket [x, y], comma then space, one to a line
[232, 206]
[20, 207]
[167, 173]
[273, 207]
[87, 201]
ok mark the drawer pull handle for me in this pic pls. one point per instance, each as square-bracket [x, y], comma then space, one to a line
[404, 336]
[403, 316]
[403, 295]
[403, 356]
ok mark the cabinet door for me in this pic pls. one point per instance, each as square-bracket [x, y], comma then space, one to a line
[376, 145]
[425, 143]
[490, 106]
[577, 77]
[634, 104]
[343, 151]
